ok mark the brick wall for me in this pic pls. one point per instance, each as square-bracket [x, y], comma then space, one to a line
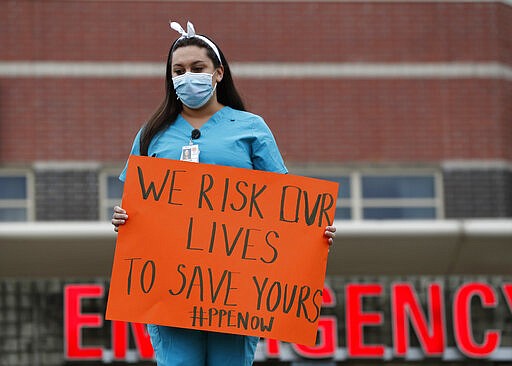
[358, 120]
[258, 31]
[355, 120]
[386, 120]
[73, 119]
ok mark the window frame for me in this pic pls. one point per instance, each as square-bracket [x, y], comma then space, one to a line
[27, 203]
[436, 202]
[357, 203]
[104, 201]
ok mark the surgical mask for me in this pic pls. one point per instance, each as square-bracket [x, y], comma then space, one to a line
[194, 89]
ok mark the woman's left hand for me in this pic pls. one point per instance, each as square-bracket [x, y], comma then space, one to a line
[330, 234]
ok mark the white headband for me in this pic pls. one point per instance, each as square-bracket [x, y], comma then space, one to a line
[191, 32]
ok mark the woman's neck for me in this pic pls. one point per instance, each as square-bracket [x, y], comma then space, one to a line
[198, 117]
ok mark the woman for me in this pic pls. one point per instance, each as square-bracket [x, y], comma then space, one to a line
[203, 119]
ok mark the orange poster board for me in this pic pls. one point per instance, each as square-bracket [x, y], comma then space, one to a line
[223, 249]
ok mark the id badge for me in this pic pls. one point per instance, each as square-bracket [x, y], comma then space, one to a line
[190, 153]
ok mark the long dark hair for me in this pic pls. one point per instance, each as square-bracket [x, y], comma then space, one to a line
[171, 107]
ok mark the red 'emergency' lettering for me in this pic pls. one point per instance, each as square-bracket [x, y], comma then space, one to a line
[462, 320]
[327, 340]
[406, 310]
[75, 320]
[356, 319]
[120, 340]
[272, 348]
[328, 334]
[406, 306]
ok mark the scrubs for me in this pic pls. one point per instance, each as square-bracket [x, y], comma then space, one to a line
[231, 138]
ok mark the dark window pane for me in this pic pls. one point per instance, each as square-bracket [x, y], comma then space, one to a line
[344, 189]
[13, 187]
[399, 213]
[398, 187]
[115, 188]
[13, 214]
[343, 213]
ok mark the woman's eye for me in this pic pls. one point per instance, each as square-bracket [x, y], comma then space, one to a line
[178, 72]
[197, 69]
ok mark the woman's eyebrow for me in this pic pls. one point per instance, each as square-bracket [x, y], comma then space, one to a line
[193, 63]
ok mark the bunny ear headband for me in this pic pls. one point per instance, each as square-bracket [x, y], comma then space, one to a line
[190, 33]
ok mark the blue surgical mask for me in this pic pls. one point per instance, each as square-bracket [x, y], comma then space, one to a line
[194, 89]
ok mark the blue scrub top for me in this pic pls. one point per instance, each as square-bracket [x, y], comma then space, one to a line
[230, 137]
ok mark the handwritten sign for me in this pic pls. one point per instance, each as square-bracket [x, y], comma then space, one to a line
[222, 249]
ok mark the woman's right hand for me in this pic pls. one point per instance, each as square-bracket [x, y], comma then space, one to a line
[119, 217]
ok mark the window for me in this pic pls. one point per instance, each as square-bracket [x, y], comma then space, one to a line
[382, 194]
[399, 197]
[15, 196]
[111, 192]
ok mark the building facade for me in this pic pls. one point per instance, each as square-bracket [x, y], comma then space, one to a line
[408, 105]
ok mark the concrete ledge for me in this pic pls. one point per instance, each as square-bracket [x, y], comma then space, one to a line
[442, 247]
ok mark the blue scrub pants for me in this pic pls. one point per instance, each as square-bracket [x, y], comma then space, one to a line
[188, 347]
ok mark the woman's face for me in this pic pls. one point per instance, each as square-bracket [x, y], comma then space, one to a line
[194, 59]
